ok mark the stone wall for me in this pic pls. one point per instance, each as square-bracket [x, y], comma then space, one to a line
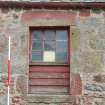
[10, 24]
[87, 52]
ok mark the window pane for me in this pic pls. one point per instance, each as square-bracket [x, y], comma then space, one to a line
[61, 45]
[37, 35]
[61, 35]
[36, 45]
[49, 35]
[61, 56]
[49, 56]
[49, 45]
[36, 56]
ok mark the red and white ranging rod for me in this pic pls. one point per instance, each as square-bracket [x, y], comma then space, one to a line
[9, 52]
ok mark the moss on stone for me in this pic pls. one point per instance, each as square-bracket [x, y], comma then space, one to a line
[96, 11]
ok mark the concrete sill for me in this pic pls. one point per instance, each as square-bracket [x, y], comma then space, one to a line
[39, 98]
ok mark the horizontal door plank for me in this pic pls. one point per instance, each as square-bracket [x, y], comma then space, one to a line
[57, 82]
[48, 89]
[48, 75]
[60, 69]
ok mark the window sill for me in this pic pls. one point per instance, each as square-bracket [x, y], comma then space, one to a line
[40, 98]
[33, 64]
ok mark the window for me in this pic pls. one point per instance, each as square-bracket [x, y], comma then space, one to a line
[49, 70]
[49, 45]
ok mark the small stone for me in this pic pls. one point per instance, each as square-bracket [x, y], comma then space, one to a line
[3, 78]
[3, 100]
[97, 11]
[84, 12]
[15, 16]
[99, 78]
[100, 103]
[21, 85]
[95, 87]
[6, 10]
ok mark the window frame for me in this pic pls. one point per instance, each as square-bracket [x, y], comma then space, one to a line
[31, 29]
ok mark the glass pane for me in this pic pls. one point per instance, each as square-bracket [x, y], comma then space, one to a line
[61, 45]
[36, 56]
[49, 56]
[61, 35]
[61, 56]
[36, 45]
[37, 35]
[49, 35]
[49, 45]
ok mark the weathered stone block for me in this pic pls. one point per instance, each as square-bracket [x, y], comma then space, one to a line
[50, 104]
[3, 78]
[99, 78]
[34, 15]
[97, 11]
[95, 87]
[75, 84]
[15, 16]
[86, 100]
[21, 84]
[3, 43]
[99, 103]
[84, 12]
[90, 22]
[3, 99]
[40, 98]
[75, 38]
[2, 89]
[97, 43]
[6, 10]
[17, 100]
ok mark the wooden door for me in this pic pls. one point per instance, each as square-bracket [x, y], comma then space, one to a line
[49, 61]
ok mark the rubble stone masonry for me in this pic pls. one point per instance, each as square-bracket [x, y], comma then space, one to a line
[87, 33]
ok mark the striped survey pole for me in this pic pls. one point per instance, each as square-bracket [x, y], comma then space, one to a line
[9, 52]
